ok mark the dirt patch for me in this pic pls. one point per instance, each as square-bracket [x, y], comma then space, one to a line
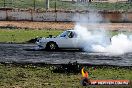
[37, 25]
[62, 25]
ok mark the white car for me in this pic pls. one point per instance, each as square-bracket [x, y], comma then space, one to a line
[68, 39]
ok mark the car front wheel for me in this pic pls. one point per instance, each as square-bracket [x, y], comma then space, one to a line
[51, 46]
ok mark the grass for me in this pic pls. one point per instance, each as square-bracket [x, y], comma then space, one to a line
[65, 5]
[31, 76]
[22, 35]
[22, 3]
[98, 6]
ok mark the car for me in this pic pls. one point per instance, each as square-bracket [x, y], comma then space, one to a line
[67, 40]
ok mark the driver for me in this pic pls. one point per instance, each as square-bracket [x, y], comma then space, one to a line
[70, 34]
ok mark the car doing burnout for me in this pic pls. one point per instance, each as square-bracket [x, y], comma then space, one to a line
[67, 40]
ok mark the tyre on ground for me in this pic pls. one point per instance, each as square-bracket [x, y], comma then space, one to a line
[51, 46]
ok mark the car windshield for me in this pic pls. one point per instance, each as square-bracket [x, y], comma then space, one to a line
[63, 34]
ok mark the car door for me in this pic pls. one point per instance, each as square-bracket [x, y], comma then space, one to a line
[68, 40]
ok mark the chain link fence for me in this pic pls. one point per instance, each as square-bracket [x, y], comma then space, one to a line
[62, 10]
[64, 5]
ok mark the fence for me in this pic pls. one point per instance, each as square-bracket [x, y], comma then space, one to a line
[63, 5]
[62, 15]
[59, 10]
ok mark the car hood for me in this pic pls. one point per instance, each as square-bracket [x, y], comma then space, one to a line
[44, 39]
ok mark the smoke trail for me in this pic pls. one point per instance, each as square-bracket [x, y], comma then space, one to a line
[120, 44]
[97, 40]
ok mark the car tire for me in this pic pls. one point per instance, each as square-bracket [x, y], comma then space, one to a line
[51, 46]
[81, 49]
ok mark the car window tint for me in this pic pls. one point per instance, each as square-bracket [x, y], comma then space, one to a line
[63, 34]
[70, 34]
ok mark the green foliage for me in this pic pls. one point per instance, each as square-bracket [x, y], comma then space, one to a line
[23, 35]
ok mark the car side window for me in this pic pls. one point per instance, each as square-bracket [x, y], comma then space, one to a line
[70, 34]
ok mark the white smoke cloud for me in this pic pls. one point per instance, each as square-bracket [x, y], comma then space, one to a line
[98, 39]
[120, 44]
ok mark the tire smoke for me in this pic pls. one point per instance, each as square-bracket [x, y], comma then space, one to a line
[97, 39]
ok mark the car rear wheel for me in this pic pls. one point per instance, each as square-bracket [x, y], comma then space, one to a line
[51, 46]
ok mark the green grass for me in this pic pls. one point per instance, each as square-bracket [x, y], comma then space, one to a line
[23, 3]
[65, 5]
[30, 76]
[97, 6]
[22, 35]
